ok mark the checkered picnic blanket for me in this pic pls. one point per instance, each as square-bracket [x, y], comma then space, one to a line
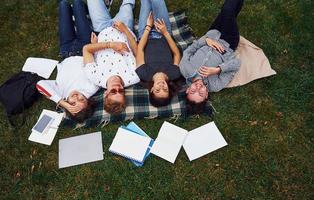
[138, 107]
[137, 97]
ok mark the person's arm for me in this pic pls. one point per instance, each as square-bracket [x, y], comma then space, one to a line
[161, 27]
[120, 26]
[231, 65]
[50, 90]
[140, 57]
[90, 49]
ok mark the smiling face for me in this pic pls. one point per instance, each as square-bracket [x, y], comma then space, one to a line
[77, 99]
[160, 89]
[115, 89]
[197, 92]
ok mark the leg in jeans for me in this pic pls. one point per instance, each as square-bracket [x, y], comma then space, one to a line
[99, 15]
[226, 22]
[125, 13]
[146, 8]
[66, 28]
[83, 25]
[159, 10]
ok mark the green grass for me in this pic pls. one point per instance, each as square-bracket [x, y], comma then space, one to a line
[268, 123]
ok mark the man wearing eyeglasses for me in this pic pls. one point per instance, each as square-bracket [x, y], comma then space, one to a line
[110, 58]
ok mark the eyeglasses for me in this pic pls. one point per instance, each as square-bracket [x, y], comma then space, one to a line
[115, 91]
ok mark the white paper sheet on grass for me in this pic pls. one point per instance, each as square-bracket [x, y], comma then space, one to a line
[80, 149]
[47, 138]
[41, 66]
[203, 140]
[169, 141]
[130, 145]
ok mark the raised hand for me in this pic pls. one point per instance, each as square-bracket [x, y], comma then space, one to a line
[120, 26]
[160, 26]
[214, 44]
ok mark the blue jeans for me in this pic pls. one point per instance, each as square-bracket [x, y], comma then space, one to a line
[71, 40]
[101, 17]
[159, 10]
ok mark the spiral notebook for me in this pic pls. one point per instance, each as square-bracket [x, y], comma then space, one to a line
[130, 145]
[136, 129]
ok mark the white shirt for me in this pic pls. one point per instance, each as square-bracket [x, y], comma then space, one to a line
[70, 77]
[110, 63]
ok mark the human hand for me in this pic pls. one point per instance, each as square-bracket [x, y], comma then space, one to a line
[73, 109]
[93, 38]
[214, 44]
[150, 20]
[120, 26]
[160, 26]
[208, 71]
[119, 47]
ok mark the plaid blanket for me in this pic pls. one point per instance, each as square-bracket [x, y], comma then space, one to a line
[137, 97]
[138, 107]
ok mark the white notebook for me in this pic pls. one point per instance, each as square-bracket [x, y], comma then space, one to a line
[129, 145]
[41, 66]
[203, 140]
[80, 149]
[169, 141]
[46, 137]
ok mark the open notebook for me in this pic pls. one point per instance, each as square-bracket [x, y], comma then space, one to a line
[130, 145]
[46, 127]
[196, 143]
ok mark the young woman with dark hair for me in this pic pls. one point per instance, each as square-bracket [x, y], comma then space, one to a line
[71, 89]
[157, 54]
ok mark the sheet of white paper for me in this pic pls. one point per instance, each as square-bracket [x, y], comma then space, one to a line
[130, 145]
[47, 138]
[80, 149]
[169, 141]
[41, 66]
[203, 140]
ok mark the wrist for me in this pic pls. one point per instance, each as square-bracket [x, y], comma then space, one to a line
[166, 34]
[147, 25]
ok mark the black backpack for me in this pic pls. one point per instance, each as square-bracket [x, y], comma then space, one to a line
[18, 93]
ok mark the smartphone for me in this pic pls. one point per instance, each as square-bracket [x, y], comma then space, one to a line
[43, 123]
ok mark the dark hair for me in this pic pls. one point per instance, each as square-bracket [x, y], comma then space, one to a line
[84, 113]
[195, 108]
[114, 107]
[159, 102]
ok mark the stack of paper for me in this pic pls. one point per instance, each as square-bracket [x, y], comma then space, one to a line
[46, 127]
[41, 66]
[130, 145]
[169, 141]
[80, 149]
[196, 143]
